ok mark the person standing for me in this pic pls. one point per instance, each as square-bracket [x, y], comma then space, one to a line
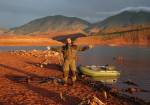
[69, 51]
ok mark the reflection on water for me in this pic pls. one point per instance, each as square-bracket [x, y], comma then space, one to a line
[106, 80]
[133, 62]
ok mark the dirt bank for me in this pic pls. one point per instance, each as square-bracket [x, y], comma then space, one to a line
[12, 40]
[117, 41]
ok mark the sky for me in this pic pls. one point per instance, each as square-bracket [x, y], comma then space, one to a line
[18, 12]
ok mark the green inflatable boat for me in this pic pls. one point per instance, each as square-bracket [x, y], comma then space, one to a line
[99, 71]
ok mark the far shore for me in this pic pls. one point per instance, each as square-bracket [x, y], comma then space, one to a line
[45, 41]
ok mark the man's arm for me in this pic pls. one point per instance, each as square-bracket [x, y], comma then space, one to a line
[61, 58]
[84, 48]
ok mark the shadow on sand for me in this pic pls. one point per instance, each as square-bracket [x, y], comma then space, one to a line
[19, 70]
[51, 94]
[51, 66]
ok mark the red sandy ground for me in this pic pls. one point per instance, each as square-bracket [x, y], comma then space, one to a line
[34, 93]
[11, 40]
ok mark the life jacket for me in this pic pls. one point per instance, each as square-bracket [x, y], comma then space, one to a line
[69, 52]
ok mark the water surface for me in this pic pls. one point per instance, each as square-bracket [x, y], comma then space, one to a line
[133, 62]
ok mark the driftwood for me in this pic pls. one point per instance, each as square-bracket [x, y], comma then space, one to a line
[96, 101]
[105, 94]
[62, 96]
[93, 101]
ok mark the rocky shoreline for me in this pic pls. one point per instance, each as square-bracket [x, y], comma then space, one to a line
[24, 82]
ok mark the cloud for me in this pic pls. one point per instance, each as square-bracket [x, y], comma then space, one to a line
[106, 13]
[17, 12]
[134, 9]
[93, 19]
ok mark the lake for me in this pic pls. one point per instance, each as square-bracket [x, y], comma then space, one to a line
[133, 63]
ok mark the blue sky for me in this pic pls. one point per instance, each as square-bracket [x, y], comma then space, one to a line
[17, 12]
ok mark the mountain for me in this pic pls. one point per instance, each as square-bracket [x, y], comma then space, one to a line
[57, 24]
[3, 31]
[123, 19]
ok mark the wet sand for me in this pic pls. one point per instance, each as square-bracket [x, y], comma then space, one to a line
[20, 84]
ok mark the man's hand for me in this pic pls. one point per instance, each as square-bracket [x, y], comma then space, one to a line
[90, 46]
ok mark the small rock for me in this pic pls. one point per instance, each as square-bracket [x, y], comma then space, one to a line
[114, 90]
[41, 66]
[129, 82]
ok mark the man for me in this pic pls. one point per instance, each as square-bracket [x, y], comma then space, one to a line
[69, 51]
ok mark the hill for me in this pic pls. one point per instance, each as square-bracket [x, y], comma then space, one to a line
[123, 19]
[53, 25]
